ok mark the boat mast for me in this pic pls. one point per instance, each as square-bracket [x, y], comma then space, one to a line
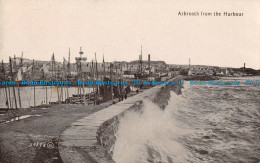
[33, 73]
[95, 91]
[4, 78]
[141, 59]
[98, 91]
[104, 75]
[149, 65]
[20, 68]
[68, 74]
[57, 79]
[9, 92]
[104, 67]
[117, 88]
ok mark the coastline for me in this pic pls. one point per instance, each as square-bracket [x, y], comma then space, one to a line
[49, 123]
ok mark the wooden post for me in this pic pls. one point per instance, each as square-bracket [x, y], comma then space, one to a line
[84, 95]
[19, 97]
[111, 78]
[46, 94]
[34, 102]
[9, 94]
[61, 92]
[11, 69]
[6, 97]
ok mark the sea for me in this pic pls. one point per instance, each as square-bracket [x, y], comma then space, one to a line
[27, 95]
[206, 123]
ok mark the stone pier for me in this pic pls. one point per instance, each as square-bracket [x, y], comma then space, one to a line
[98, 128]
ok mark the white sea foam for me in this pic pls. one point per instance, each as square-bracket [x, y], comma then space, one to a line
[149, 136]
[204, 124]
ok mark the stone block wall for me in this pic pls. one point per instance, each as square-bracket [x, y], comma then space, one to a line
[106, 133]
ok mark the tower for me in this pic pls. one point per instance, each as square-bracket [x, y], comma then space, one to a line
[78, 62]
[140, 58]
[80, 68]
[80, 53]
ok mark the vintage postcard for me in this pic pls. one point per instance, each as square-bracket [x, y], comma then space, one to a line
[129, 81]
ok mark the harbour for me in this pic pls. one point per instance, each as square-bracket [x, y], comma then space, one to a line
[129, 81]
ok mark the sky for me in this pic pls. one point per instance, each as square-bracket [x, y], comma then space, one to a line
[118, 28]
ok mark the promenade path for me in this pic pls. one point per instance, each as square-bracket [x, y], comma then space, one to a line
[82, 133]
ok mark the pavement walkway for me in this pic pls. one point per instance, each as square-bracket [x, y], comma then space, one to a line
[82, 133]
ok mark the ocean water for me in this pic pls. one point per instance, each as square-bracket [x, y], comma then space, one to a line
[27, 95]
[204, 124]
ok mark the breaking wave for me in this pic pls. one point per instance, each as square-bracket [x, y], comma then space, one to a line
[204, 124]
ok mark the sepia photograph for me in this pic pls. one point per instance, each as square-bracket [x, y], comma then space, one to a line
[129, 81]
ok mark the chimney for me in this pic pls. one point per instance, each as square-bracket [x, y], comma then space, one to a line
[189, 63]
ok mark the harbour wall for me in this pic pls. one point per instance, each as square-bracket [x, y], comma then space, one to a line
[107, 131]
[93, 137]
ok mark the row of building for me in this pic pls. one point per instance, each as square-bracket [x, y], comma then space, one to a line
[26, 69]
[47, 70]
[204, 70]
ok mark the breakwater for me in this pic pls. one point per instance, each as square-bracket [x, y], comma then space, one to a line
[100, 128]
[106, 133]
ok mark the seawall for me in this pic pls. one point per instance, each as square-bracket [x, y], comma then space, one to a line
[106, 133]
[96, 133]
